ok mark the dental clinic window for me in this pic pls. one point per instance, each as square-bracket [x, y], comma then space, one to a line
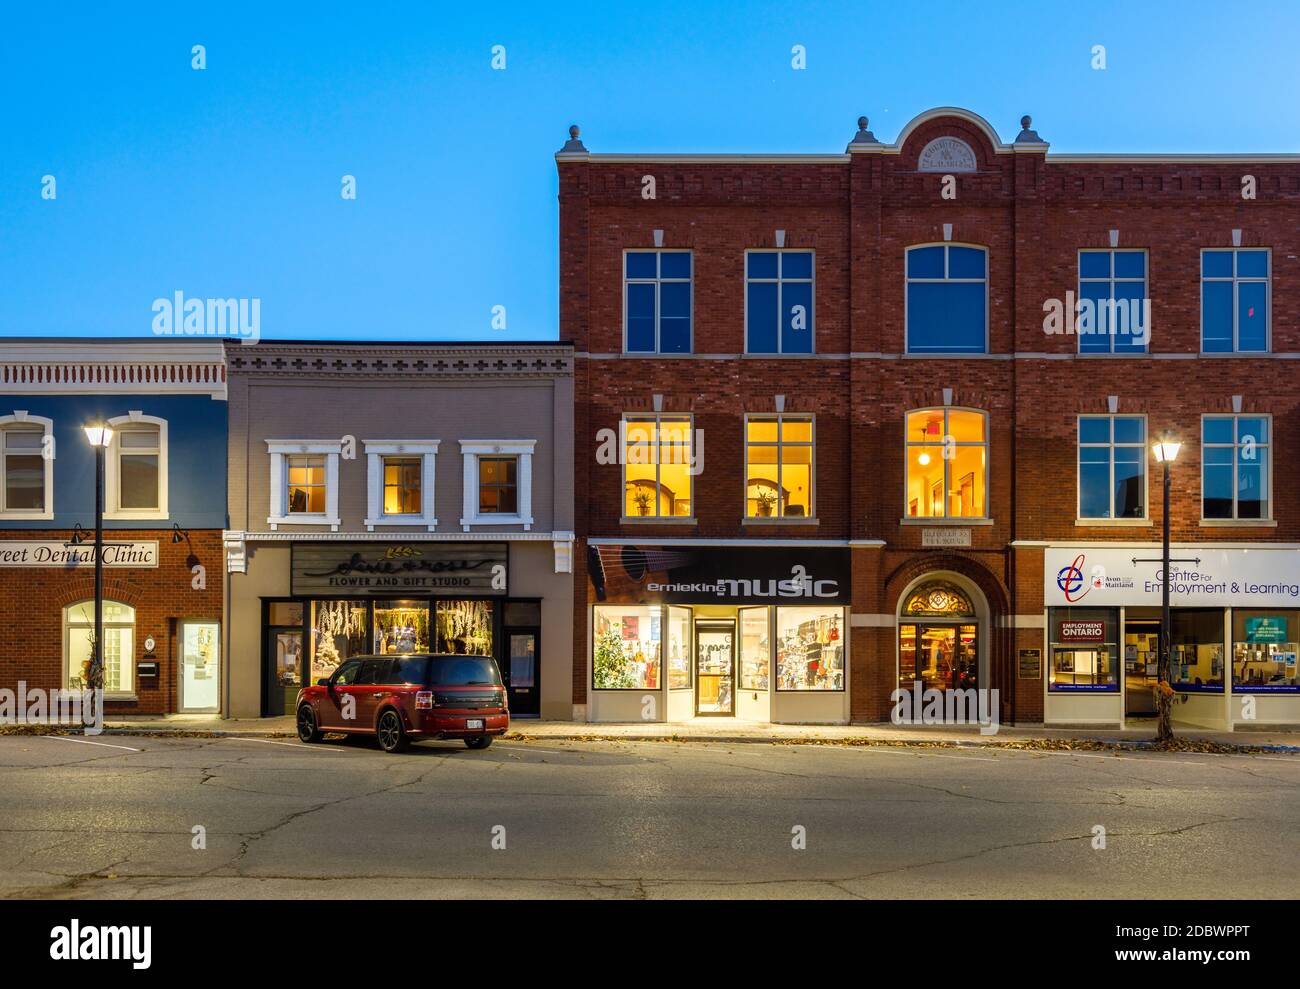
[657, 302]
[947, 299]
[1113, 316]
[1234, 467]
[947, 464]
[778, 466]
[119, 645]
[1264, 649]
[657, 479]
[1112, 467]
[1084, 650]
[27, 484]
[779, 302]
[1235, 301]
[135, 469]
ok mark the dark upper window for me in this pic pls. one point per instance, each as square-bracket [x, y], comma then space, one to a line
[1114, 309]
[947, 299]
[1112, 467]
[1234, 467]
[1234, 301]
[657, 302]
[779, 302]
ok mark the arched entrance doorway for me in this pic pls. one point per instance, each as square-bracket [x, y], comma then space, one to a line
[942, 633]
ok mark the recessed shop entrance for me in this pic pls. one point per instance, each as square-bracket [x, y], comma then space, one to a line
[1141, 654]
[945, 657]
[715, 649]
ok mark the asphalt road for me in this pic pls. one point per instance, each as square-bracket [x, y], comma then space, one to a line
[615, 820]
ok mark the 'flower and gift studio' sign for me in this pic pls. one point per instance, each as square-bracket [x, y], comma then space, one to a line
[332, 569]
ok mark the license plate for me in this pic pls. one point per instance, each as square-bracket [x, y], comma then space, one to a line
[473, 723]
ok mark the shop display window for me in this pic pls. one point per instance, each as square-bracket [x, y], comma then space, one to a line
[679, 648]
[628, 647]
[1196, 660]
[464, 627]
[809, 649]
[338, 630]
[755, 649]
[401, 627]
[1084, 650]
[1264, 651]
[118, 660]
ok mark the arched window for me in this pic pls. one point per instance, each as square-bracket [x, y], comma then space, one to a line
[947, 299]
[947, 464]
[119, 645]
[135, 472]
[26, 467]
[938, 599]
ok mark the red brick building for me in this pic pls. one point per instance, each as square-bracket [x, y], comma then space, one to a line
[925, 378]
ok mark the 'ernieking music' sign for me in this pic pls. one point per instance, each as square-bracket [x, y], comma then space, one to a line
[70, 556]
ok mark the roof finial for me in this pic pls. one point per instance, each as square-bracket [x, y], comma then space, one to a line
[574, 144]
[863, 136]
[1027, 136]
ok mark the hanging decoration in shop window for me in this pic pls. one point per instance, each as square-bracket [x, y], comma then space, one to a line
[465, 627]
[939, 600]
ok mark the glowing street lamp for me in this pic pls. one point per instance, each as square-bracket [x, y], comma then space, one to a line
[1165, 451]
[99, 435]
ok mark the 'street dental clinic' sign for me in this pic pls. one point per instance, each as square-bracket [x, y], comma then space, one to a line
[1216, 578]
[324, 569]
[58, 555]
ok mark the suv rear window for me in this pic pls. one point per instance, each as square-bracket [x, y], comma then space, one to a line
[463, 671]
[409, 669]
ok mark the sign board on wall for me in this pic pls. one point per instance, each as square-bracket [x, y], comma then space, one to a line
[945, 537]
[397, 568]
[1220, 578]
[1031, 664]
[1081, 631]
[52, 553]
[786, 575]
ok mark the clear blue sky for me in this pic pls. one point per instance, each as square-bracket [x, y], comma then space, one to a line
[225, 182]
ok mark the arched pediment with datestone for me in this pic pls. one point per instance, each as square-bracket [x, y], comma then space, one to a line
[947, 154]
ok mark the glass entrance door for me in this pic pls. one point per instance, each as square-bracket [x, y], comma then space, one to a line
[520, 672]
[715, 646]
[943, 657]
[200, 644]
[1141, 650]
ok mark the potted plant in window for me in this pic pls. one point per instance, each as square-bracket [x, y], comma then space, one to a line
[642, 500]
[766, 502]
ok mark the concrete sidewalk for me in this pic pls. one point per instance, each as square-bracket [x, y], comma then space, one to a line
[734, 730]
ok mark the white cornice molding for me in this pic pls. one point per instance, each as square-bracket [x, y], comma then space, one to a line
[48, 367]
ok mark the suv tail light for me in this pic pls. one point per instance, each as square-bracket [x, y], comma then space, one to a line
[424, 700]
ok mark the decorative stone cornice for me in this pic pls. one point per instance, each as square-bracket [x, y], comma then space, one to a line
[387, 362]
[49, 367]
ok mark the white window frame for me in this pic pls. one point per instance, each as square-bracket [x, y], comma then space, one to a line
[780, 281]
[377, 451]
[21, 421]
[987, 444]
[1237, 281]
[779, 443]
[657, 281]
[658, 418]
[909, 280]
[1145, 517]
[127, 694]
[112, 470]
[1112, 280]
[1235, 446]
[470, 451]
[279, 451]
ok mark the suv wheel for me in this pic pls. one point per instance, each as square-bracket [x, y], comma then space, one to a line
[392, 736]
[308, 730]
[478, 742]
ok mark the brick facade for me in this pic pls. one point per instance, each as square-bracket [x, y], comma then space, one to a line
[859, 211]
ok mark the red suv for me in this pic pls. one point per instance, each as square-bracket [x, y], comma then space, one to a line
[400, 699]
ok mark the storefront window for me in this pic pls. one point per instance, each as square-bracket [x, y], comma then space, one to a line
[1196, 662]
[778, 467]
[118, 660]
[657, 472]
[679, 648]
[628, 647]
[1084, 650]
[401, 627]
[941, 657]
[755, 650]
[809, 649]
[947, 464]
[1264, 650]
[465, 627]
[338, 630]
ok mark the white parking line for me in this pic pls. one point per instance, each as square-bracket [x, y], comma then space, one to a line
[86, 741]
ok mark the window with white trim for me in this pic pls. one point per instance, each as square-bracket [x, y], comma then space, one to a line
[1114, 314]
[778, 466]
[400, 488]
[1234, 300]
[947, 299]
[135, 469]
[1112, 467]
[658, 466]
[657, 302]
[498, 482]
[119, 645]
[304, 482]
[26, 468]
[1235, 481]
[947, 464]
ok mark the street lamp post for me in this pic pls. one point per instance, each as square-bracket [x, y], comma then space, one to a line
[99, 435]
[1166, 452]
